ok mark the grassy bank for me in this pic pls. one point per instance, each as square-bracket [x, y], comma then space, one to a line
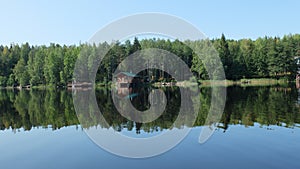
[244, 82]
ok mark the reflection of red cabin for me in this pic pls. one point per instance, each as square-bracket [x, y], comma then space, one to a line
[298, 81]
[126, 79]
[123, 92]
[127, 93]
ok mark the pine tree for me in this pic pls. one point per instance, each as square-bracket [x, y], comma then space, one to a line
[224, 54]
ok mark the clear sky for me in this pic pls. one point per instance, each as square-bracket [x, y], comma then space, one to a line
[72, 21]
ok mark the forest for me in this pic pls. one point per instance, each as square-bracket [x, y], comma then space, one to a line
[53, 65]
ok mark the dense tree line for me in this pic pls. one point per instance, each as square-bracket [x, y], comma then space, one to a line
[271, 57]
[264, 57]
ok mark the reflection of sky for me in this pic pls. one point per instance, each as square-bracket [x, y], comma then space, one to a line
[238, 147]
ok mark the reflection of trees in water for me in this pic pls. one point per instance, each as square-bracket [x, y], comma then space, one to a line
[44, 108]
[36, 108]
[263, 105]
[140, 102]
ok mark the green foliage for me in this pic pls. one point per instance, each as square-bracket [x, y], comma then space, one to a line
[21, 73]
[3, 80]
[225, 56]
[36, 66]
[266, 57]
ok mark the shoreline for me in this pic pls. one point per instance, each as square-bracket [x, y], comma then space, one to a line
[245, 82]
[201, 83]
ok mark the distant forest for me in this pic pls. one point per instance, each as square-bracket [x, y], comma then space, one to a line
[267, 57]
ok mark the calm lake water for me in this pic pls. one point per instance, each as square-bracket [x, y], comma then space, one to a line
[259, 129]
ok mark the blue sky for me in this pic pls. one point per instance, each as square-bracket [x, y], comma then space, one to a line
[72, 21]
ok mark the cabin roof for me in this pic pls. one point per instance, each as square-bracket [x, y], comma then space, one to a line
[128, 74]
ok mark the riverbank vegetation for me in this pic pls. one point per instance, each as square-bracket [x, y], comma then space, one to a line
[53, 65]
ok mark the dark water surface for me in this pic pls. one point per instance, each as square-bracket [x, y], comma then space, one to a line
[259, 129]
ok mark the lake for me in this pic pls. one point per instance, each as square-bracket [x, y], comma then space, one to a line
[258, 129]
